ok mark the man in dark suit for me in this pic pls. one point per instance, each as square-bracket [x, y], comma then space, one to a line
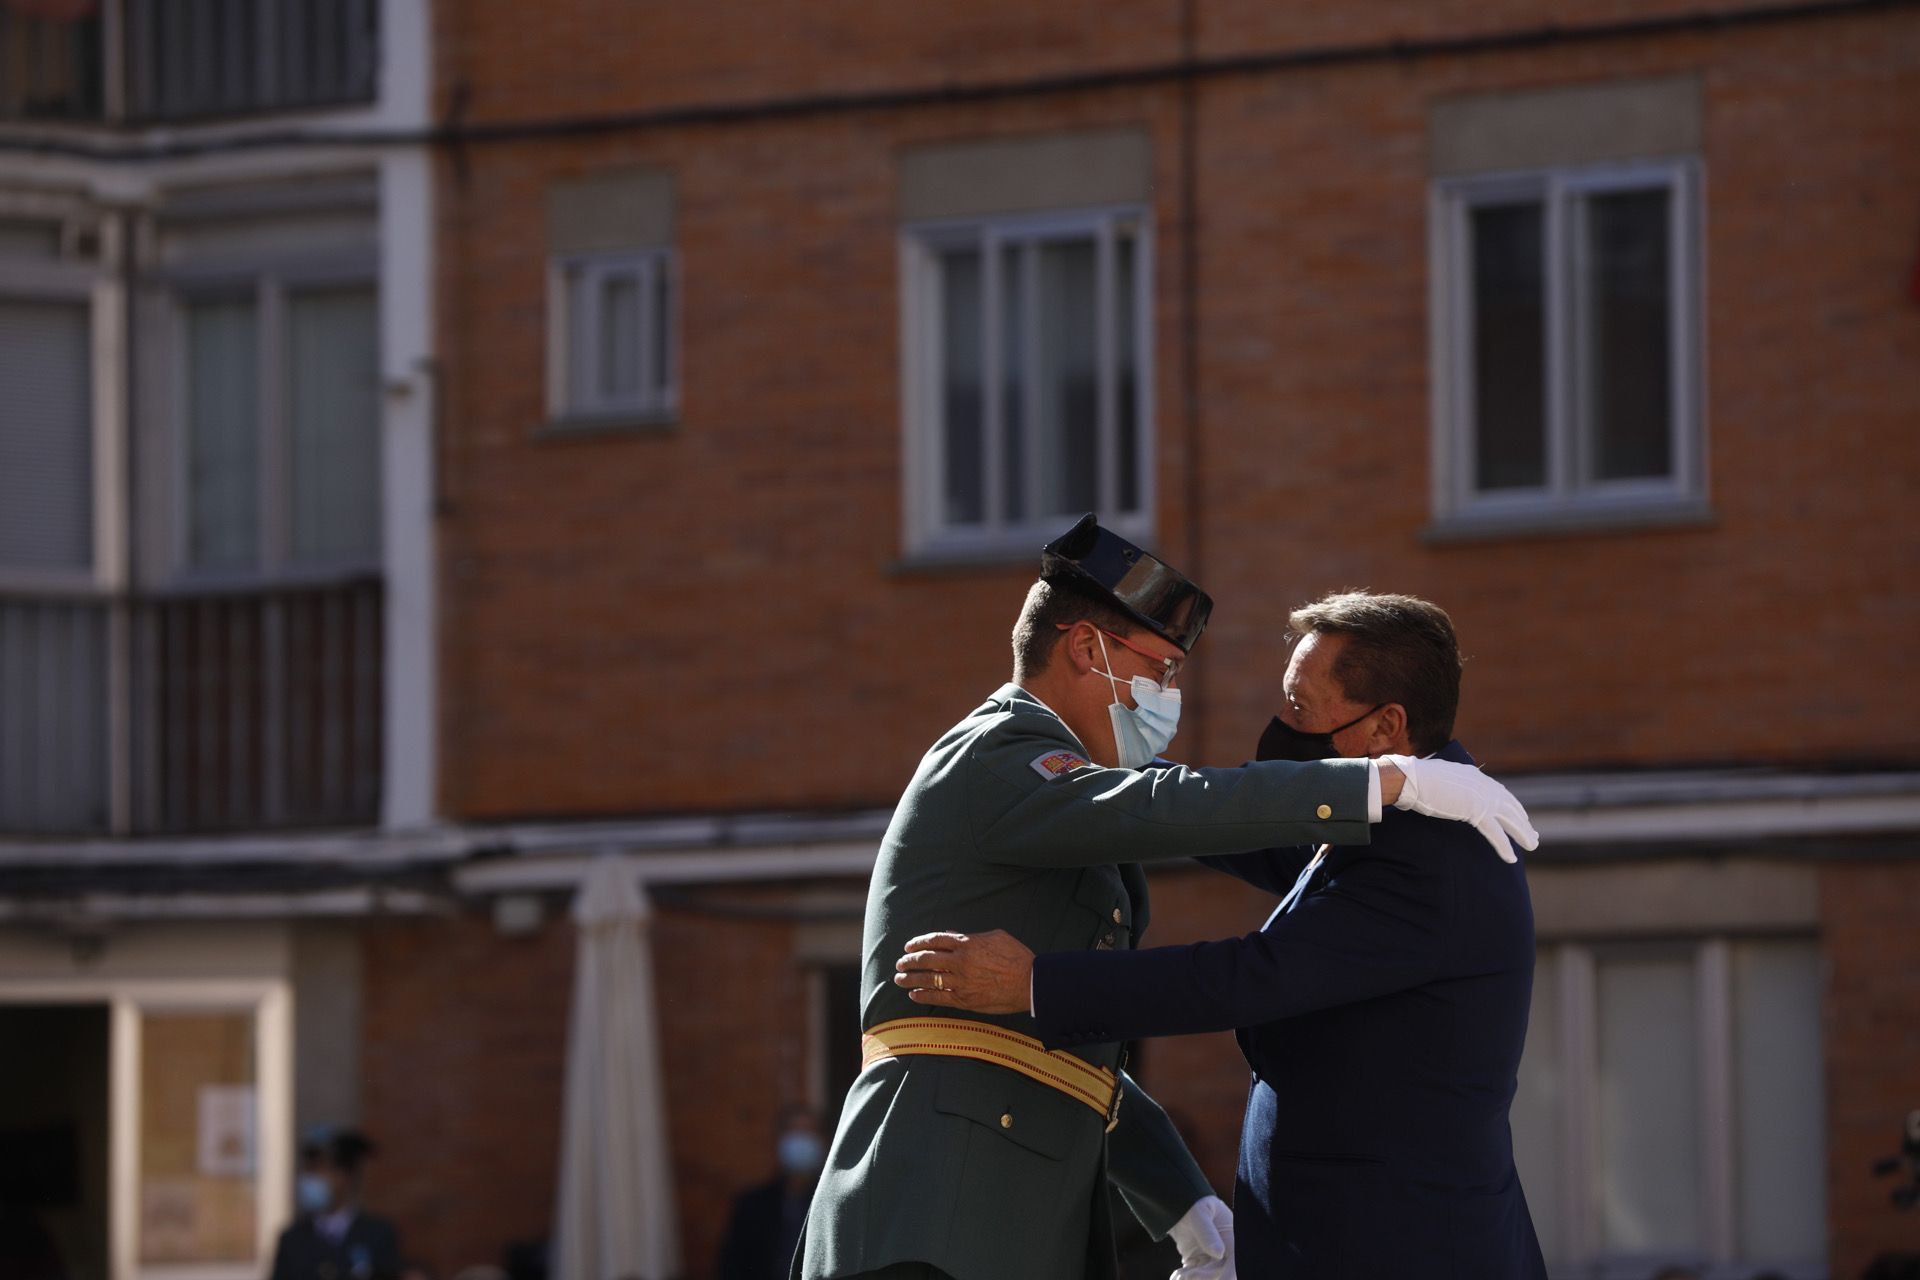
[1382, 1007]
[334, 1238]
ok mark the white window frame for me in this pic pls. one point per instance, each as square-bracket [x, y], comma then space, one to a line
[658, 399]
[926, 533]
[1570, 490]
[268, 288]
[1578, 1043]
[72, 278]
[270, 1002]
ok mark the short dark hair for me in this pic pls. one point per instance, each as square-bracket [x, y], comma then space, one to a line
[1399, 649]
[348, 1150]
[1050, 606]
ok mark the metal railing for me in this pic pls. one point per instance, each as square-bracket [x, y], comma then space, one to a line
[215, 711]
[51, 68]
[188, 58]
[184, 59]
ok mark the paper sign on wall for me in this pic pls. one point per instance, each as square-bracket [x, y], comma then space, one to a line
[227, 1130]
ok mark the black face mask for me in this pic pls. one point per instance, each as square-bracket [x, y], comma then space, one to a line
[1282, 741]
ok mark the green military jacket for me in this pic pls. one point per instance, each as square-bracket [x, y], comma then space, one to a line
[973, 1168]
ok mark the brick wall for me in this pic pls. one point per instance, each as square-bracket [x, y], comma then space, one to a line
[592, 58]
[748, 555]
[1766, 636]
[463, 1059]
[464, 1066]
[1872, 1051]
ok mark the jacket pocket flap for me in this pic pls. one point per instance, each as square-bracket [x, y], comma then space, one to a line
[1102, 892]
[1022, 1111]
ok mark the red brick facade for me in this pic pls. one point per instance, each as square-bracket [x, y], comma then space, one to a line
[1873, 1051]
[464, 1063]
[464, 1059]
[751, 549]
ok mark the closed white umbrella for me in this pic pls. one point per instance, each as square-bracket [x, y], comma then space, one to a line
[615, 1216]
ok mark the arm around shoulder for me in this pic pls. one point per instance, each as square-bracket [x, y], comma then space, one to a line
[1024, 812]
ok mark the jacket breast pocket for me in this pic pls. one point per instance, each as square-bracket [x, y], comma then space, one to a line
[1022, 1112]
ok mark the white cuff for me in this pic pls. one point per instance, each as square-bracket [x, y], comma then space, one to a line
[1373, 791]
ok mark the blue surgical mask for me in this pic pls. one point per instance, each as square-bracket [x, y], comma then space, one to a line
[801, 1152]
[313, 1193]
[1142, 731]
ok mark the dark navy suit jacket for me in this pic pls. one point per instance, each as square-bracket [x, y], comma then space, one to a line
[370, 1250]
[1383, 1018]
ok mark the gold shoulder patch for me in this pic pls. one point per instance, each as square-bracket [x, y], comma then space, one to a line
[1055, 763]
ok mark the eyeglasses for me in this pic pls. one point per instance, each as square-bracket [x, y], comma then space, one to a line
[1169, 667]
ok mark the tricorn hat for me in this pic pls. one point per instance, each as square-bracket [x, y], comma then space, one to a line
[1146, 588]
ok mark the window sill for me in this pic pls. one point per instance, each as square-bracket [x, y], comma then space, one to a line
[589, 427]
[1573, 519]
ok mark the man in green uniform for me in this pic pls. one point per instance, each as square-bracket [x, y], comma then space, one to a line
[965, 1149]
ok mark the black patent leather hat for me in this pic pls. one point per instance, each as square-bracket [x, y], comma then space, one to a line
[1146, 588]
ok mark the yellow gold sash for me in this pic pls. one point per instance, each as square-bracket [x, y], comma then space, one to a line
[1074, 1076]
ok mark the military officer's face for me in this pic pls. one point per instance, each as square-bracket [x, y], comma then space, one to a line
[1142, 654]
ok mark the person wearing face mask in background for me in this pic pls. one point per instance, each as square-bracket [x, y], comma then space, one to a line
[966, 1149]
[1382, 1007]
[334, 1238]
[764, 1223]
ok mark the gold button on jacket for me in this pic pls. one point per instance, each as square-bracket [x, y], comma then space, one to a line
[1324, 811]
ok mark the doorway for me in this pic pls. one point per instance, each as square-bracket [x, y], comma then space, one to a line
[54, 1222]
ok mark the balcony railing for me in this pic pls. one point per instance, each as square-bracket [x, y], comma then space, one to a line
[241, 711]
[182, 59]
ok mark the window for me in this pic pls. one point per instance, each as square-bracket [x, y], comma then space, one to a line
[46, 436]
[281, 428]
[1670, 1106]
[58, 447]
[1568, 325]
[614, 339]
[1027, 378]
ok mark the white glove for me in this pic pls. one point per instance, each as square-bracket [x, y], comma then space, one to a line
[1461, 793]
[1205, 1236]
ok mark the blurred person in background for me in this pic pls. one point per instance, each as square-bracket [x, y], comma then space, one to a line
[764, 1224]
[334, 1238]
